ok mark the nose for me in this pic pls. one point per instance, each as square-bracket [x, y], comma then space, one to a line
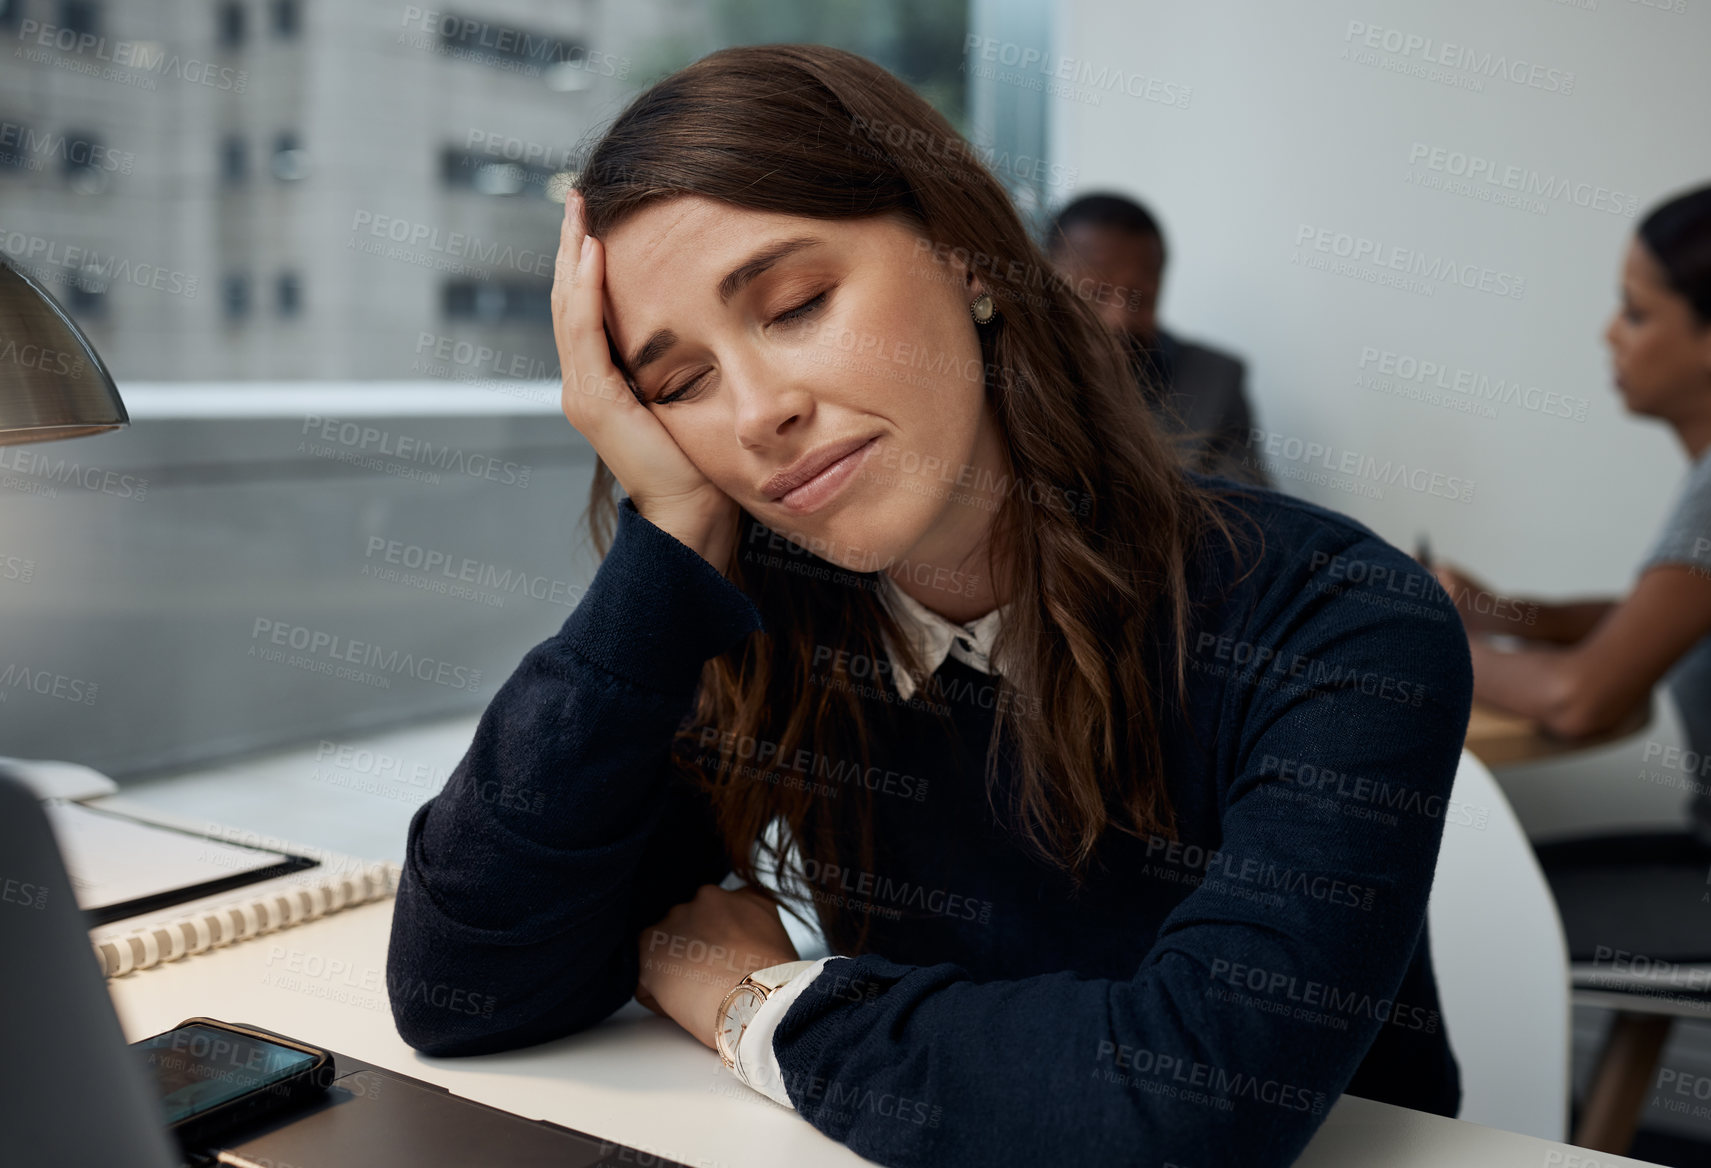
[1610, 330]
[767, 401]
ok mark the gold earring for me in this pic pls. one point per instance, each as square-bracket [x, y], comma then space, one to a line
[982, 309]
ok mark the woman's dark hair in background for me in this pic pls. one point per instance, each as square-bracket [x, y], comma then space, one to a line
[1100, 607]
[1678, 234]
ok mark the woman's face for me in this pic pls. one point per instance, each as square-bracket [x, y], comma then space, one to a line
[1662, 359]
[861, 332]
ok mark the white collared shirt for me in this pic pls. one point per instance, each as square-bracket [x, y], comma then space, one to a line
[757, 1062]
[934, 638]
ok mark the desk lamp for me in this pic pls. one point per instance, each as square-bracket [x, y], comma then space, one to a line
[52, 383]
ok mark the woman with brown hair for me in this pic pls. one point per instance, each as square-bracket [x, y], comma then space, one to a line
[1116, 800]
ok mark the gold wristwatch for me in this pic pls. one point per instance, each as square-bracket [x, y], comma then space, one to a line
[743, 1003]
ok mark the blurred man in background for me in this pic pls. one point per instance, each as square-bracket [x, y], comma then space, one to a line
[1195, 390]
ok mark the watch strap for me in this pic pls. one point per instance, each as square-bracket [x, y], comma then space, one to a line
[774, 976]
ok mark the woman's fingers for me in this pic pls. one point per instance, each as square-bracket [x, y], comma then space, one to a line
[653, 470]
[597, 382]
[1447, 579]
[564, 282]
[647, 999]
[590, 381]
[1462, 590]
[565, 263]
[1454, 581]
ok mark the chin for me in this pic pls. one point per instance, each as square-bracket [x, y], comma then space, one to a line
[869, 538]
[857, 539]
[1639, 402]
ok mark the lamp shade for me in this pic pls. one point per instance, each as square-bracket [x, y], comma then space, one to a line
[52, 383]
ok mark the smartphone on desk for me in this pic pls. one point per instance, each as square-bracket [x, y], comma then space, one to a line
[215, 1078]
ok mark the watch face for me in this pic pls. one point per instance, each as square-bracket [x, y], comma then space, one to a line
[739, 1009]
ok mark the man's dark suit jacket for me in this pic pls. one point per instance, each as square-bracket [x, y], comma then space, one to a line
[1204, 397]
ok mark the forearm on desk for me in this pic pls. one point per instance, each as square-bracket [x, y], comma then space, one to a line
[1563, 623]
[916, 1066]
[1557, 686]
[922, 1065]
[564, 831]
[1528, 681]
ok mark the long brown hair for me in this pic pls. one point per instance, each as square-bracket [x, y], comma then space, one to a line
[1100, 525]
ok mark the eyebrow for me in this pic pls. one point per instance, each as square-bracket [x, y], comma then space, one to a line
[739, 277]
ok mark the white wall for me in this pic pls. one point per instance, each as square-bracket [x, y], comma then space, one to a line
[1274, 127]
[1279, 131]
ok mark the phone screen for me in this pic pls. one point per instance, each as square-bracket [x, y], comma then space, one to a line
[197, 1067]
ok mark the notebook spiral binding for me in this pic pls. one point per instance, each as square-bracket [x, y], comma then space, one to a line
[221, 925]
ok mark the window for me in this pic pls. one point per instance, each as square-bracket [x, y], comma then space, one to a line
[287, 19]
[495, 165]
[290, 161]
[515, 50]
[78, 16]
[230, 21]
[488, 174]
[235, 296]
[14, 137]
[80, 163]
[288, 294]
[234, 160]
[497, 301]
[86, 292]
[426, 213]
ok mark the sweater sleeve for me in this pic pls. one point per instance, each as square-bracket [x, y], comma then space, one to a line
[1201, 1057]
[563, 832]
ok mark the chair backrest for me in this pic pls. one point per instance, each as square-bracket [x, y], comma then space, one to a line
[1501, 962]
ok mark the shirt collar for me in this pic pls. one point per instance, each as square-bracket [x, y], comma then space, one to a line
[934, 637]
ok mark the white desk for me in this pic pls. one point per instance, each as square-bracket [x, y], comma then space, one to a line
[640, 1080]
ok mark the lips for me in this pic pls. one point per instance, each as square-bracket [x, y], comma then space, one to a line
[810, 465]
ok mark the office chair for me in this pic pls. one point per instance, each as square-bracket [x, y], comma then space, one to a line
[1632, 901]
[1501, 962]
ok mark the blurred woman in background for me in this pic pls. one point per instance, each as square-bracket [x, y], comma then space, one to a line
[1592, 663]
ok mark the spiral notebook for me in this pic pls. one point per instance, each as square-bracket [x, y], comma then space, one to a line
[158, 889]
[122, 866]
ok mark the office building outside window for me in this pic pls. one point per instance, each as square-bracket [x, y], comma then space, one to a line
[235, 296]
[232, 20]
[288, 294]
[234, 160]
[79, 17]
[287, 19]
[468, 127]
[290, 161]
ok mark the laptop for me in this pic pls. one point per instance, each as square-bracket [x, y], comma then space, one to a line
[73, 1094]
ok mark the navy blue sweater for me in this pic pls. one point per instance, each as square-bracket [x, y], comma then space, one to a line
[1202, 1002]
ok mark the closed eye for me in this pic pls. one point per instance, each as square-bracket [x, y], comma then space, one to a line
[678, 393]
[801, 310]
[806, 308]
